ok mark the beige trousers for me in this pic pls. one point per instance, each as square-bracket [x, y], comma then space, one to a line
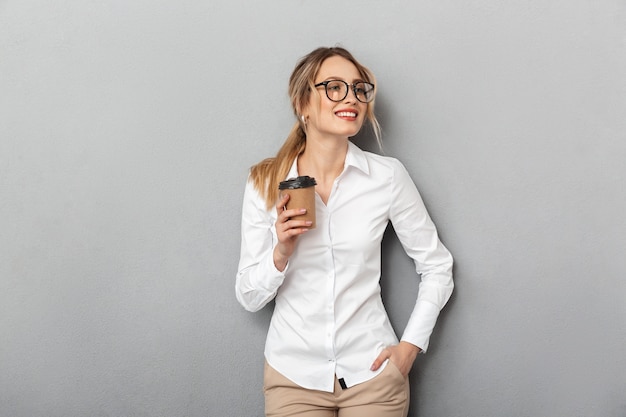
[386, 395]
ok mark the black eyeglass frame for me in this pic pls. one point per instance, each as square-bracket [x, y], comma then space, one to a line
[349, 87]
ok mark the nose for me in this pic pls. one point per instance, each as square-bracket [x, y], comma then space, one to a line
[351, 97]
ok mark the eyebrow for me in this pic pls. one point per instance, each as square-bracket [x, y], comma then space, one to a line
[333, 77]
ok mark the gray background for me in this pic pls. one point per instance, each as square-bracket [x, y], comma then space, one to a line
[127, 128]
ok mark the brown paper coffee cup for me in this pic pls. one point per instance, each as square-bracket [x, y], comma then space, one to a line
[301, 192]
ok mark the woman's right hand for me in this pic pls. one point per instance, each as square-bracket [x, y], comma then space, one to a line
[287, 231]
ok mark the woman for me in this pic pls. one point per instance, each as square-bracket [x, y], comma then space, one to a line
[330, 349]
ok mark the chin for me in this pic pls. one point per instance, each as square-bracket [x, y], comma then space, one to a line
[352, 132]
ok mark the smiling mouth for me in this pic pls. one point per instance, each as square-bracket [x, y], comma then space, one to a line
[346, 114]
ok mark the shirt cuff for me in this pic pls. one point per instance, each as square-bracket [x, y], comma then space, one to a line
[421, 324]
[274, 277]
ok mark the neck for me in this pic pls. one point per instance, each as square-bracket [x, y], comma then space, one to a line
[323, 160]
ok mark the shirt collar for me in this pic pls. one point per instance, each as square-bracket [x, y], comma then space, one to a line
[354, 158]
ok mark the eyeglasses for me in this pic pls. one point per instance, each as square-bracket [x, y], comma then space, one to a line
[337, 90]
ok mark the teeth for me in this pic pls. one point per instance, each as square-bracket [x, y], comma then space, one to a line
[346, 114]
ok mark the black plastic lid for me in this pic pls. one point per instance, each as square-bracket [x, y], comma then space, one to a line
[300, 182]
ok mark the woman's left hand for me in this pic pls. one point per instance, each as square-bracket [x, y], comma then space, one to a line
[402, 355]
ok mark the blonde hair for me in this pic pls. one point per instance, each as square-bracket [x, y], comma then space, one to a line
[267, 174]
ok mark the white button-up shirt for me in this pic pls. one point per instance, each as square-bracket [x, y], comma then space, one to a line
[329, 317]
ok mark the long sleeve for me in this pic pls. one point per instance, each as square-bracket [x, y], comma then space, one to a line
[329, 318]
[433, 261]
[258, 279]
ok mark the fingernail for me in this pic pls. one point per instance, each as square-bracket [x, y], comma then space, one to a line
[302, 211]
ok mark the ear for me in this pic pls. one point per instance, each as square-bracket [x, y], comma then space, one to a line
[299, 110]
[304, 108]
[303, 114]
